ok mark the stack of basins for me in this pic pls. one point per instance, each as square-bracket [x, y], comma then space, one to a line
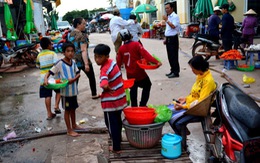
[141, 131]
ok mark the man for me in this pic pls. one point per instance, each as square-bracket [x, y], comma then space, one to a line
[80, 39]
[172, 41]
[227, 27]
[116, 24]
[213, 24]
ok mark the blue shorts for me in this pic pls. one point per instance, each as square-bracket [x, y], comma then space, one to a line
[44, 92]
[69, 103]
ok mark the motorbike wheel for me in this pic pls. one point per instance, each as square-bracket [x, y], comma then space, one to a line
[200, 47]
[31, 62]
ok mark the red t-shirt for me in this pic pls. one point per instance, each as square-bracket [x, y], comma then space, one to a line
[129, 54]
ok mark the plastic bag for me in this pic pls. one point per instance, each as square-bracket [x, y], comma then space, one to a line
[248, 80]
[164, 114]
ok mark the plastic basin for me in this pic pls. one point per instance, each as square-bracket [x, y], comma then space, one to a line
[142, 64]
[63, 84]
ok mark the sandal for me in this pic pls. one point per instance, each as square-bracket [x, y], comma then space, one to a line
[96, 97]
[50, 118]
[57, 111]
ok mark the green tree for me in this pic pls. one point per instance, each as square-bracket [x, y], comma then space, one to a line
[110, 2]
[69, 16]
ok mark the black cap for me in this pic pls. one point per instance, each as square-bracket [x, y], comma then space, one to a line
[224, 6]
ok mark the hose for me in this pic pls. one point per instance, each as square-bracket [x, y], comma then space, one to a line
[56, 133]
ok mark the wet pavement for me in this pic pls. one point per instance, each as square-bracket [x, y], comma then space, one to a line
[24, 111]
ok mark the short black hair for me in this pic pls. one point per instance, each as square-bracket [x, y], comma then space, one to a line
[77, 21]
[67, 44]
[45, 42]
[102, 49]
[224, 6]
[132, 17]
[169, 3]
[199, 63]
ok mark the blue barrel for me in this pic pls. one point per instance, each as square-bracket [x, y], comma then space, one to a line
[171, 146]
[125, 13]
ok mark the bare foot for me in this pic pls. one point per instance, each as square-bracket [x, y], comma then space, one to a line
[73, 134]
[110, 148]
[78, 128]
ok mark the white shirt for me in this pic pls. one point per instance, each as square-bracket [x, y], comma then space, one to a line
[175, 20]
[116, 24]
[134, 29]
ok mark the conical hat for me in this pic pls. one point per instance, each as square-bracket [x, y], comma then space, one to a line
[250, 12]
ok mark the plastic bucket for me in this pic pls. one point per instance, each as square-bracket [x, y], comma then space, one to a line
[171, 146]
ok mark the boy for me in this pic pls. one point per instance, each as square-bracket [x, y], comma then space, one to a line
[66, 68]
[113, 98]
[128, 54]
[45, 60]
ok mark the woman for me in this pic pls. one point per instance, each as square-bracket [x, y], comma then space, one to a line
[248, 26]
[202, 87]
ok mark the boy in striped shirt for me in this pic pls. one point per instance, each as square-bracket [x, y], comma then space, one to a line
[113, 97]
[45, 60]
[66, 68]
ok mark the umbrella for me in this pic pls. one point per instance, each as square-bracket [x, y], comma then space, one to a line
[203, 9]
[11, 34]
[221, 2]
[107, 16]
[53, 22]
[29, 26]
[144, 8]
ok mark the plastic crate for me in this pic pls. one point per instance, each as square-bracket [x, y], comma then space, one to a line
[143, 136]
[230, 64]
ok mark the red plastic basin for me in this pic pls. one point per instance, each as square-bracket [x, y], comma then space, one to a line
[139, 115]
[139, 120]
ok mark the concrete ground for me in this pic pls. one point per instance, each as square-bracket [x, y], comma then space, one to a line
[86, 147]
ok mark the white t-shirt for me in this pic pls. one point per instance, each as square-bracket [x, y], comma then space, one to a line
[175, 20]
[116, 24]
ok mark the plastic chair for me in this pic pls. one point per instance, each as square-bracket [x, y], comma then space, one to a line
[202, 109]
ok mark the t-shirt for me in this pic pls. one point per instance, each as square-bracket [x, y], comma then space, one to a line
[129, 54]
[66, 71]
[78, 38]
[45, 60]
[110, 75]
[202, 87]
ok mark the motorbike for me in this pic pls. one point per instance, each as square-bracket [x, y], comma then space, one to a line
[18, 55]
[205, 46]
[235, 134]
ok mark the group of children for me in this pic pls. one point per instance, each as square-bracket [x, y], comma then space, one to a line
[113, 97]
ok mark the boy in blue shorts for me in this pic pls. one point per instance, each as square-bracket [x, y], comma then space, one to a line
[45, 60]
[66, 68]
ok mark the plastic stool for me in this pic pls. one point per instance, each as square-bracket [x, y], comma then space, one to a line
[230, 64]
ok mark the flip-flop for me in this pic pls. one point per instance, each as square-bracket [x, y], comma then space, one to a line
[95, 97]
[50, 118]
[57, 111]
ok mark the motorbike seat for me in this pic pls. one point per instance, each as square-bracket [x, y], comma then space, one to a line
[244, 111]
[22, 46]
[206, 37]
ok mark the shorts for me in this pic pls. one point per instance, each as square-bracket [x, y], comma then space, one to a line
[44, 92]
[69, 103]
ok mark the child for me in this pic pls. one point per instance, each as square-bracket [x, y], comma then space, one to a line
[113, 98]
[66, 68]
[128, 54]
[45, 60]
